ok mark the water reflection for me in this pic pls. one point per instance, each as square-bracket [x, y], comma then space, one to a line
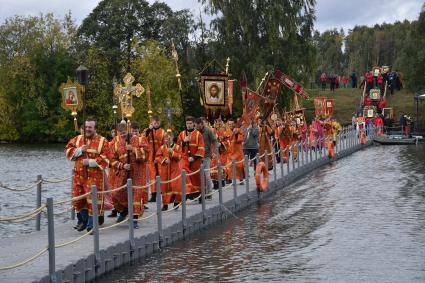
[361, 219]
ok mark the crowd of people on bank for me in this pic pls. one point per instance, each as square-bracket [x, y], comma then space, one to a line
[142, 154]
[335, 81]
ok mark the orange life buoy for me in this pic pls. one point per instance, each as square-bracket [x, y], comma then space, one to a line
[261, 168]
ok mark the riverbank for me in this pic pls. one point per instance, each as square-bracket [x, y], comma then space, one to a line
[348, 99]
[76, 262]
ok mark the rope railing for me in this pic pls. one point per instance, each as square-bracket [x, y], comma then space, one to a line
[24, 217]
[72, 241]
[46, 181]
[21, 189]
[31, 258]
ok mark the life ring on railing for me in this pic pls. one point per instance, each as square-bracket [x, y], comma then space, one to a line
[261, 185]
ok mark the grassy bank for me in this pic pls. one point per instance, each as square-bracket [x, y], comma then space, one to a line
[347, 101]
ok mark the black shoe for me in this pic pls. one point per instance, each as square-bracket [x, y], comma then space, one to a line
[165, 207]
[176, 205]
[145, 207]
[241, 183]
[78, 224]
[122, 216]
[208, 197]
[200, 200]
[101, 220]
[82, 227]
[89, 229]
[114, 213]
[153, 197]
[136, 225]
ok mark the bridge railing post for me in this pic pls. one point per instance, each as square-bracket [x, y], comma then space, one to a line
[183, 200]
[51, 239]
[220, 188]
[203, 186]
[266, 162]
[287, 159]
[159, 210]
[299, 155]
[130, 212]
[72, 185]
[281, 162]
[293, 156]
[247, 175]
[95, 229]
[274, 164]
[38, 202]
[235, 193]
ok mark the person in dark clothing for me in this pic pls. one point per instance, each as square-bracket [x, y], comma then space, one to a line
[332, 80]
[250, 145]
[353, 78]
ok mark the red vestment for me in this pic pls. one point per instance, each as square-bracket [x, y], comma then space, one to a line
[378, 123]
[265, 134]
[138, 157]
[98, 153]
[236, 153]
[223, 138]
[154, 136]
[172, 190]
[195, 149]
[283, 135]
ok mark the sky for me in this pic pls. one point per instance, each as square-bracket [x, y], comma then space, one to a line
[329, 13]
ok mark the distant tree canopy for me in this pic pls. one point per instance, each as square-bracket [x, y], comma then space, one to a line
[38, 53]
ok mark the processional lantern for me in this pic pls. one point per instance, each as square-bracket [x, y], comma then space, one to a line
[82, 74]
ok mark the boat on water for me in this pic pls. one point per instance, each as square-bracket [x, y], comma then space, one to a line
[394, 140]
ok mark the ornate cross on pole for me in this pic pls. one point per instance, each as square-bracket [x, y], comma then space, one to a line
[168, 110]
[124, 95]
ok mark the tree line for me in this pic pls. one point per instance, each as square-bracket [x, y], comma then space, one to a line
[38, 53]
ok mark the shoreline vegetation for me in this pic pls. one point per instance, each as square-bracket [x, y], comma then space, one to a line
[38, 53]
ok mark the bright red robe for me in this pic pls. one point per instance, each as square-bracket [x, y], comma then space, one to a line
[98, 151]
[173, 190]
[194, 148]
[138, 157]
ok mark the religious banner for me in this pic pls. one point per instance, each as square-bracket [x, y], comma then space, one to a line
[214, 86]
[375, 94]
[320, 106]
[294, 86]
[71, 99]
[252, 105]
[329, 109]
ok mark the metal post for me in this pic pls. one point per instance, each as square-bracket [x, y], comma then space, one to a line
[220, 183]
[302, 153]
[274, 164]
[293, 156]
[281, 162]
[299, 154]
[130, 212]
[51, 239]
[38, 202]
[184, 200]
[310, 149]
[159, 209]
[287, 160]
[220, 188]
[95, 229]
[202, 172]
[235, 193]
[247, 175]
[72, 185]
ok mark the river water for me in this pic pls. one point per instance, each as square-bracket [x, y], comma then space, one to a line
[361, 219]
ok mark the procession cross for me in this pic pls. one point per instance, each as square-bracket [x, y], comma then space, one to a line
[124, 95]
[169, 111]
